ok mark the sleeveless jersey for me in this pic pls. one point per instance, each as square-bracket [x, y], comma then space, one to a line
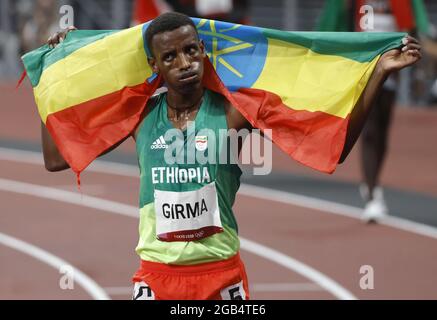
[186, 189]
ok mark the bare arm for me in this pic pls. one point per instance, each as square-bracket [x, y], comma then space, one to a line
[53, 159]
[389, 62]
[361, 111]
[235, 119]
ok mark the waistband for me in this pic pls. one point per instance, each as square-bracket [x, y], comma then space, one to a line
[156, 267]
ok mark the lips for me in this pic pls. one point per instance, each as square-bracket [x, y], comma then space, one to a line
[188, 77]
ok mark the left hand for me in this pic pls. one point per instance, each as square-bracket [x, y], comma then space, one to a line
[397, 59]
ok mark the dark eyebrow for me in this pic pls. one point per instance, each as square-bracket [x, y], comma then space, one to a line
[191, 44]
[194, 42]
[165, 53]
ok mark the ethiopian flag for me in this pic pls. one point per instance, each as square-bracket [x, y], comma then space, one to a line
[91, 89]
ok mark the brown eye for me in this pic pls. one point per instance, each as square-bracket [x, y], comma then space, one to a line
[192, 50]
[168, 57]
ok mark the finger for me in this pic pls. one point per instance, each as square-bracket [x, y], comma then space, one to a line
[414, 46]
[50, 41]
[57, 39]
[411, 46]
[418, 54]
[414, 53]
[409, 39]
[412, 39]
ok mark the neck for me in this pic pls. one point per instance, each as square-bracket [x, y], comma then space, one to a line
[181, 102]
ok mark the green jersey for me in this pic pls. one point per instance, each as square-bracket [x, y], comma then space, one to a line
[186, 202]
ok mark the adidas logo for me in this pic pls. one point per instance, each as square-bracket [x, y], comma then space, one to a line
[159, 144]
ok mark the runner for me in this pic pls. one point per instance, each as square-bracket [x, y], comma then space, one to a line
[188, 242]
[386, 16]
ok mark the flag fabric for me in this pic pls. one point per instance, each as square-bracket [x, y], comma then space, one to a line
[92, 88]
[345, 15]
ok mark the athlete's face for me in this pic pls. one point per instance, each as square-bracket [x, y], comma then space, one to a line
[178, 57]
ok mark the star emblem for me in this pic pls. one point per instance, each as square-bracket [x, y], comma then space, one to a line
[217, 55]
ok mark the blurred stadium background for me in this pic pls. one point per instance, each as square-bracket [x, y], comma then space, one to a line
[403, 251]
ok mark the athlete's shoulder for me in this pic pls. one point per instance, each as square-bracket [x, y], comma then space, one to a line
[217, 100]
[234, 118]
[218, 97]
[152, 102]
[156, 98]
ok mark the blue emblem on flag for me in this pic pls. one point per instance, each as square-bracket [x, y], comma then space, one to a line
[237, 52]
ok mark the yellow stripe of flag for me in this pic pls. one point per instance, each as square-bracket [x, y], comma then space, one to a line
[310, 81]
[103, 67]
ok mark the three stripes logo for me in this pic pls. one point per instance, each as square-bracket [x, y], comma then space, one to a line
[159, 144]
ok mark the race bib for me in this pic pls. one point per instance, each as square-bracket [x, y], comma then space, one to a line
[142, 291]
[188, 215]
[234, 292]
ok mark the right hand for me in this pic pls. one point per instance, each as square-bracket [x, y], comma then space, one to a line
[59, 36]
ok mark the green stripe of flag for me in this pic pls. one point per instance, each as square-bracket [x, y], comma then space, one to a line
[358, 46]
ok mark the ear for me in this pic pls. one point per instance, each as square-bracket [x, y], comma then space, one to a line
[202, 48]
[152, 64]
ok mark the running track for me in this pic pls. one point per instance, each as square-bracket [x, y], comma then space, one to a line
[292, 249]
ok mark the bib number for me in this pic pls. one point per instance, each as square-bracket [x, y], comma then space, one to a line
[188, 215]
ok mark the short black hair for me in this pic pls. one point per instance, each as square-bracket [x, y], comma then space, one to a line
[167, 22]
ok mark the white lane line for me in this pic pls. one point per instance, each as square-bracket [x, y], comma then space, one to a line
[326, 206]
[89, 285]
[308, 272]
[118, 208]
[333, 207]
[68, 197]
[100, 166]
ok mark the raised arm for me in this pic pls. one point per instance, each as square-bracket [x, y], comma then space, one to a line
[53, 159]
[389, 62]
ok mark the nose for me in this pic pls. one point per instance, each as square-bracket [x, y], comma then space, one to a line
[183, 62]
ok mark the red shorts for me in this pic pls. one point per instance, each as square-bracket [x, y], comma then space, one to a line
[221, 280]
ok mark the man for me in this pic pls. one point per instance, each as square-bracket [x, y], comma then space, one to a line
[376, 131]
[188, 234]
